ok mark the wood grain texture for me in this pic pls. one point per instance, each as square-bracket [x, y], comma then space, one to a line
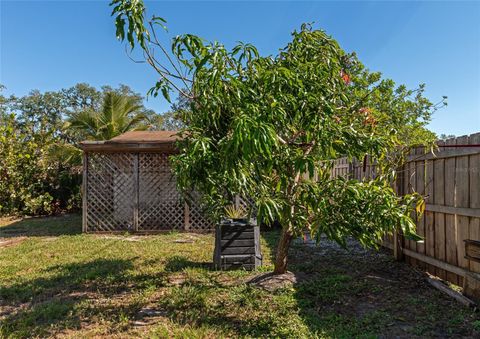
[411, 187]
[474, 173]
[450, 180]
[429, 216]
[421, 229]
[439, 218]
[450, 219]
[462, 197]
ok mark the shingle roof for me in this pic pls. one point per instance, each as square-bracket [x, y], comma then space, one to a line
[135, 141]
[145, 137]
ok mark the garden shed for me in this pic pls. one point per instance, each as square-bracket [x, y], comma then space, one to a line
[128, 186]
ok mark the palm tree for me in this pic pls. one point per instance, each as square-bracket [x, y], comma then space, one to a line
[118, 114]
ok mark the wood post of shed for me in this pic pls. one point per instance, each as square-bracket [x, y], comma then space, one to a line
[84, 192]
[187, 216]
[136, 192]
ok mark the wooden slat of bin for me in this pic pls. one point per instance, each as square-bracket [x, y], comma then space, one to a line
[235, 229]
[244, 235]
[238, 243]
[238, 250]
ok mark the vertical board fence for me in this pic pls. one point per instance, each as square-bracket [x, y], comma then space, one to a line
[449, 179]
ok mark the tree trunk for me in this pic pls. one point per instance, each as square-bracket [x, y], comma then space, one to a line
[282, 251]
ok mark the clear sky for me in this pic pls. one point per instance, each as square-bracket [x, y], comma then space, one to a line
[49, 45]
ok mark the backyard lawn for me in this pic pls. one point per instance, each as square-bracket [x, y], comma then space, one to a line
[55, 281]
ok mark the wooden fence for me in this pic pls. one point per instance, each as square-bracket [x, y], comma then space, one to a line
[449, 179]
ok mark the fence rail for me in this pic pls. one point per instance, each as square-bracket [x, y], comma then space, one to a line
[449, 179]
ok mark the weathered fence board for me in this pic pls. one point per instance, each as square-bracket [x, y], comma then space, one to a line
[439, 218]
[450, 223]
[474, 172]
[429, 216]
[449, 179]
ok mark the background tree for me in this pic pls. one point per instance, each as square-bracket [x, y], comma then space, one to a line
[118, 114]
[271, 127]
[40, 170]
[174, 119]
[446, 136]
[100, 115]
[24, 140]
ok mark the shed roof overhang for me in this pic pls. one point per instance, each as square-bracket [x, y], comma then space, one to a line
[135, 141]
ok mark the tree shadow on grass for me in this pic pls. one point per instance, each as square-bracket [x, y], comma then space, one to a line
[336, 293]
[54, 302]
[179, 263]
[356, 292]
[222, 301]
[69, 224]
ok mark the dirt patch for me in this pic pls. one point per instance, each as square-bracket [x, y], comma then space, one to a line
[133, 238]
[273, 282]
[11, 242]
[177, 279]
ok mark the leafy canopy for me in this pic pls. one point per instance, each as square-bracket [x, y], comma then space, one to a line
[118, 114]
[39, 133]
[270, 127]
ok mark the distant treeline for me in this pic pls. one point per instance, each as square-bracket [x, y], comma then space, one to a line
[39, 133]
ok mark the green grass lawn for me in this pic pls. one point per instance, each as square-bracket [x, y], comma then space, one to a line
[59, 282]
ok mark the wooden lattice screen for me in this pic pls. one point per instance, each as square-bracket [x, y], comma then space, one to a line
[160, 207]
[110, 188]
[135, 192]
[246, 203]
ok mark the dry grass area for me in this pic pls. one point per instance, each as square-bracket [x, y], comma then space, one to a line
[57, 282]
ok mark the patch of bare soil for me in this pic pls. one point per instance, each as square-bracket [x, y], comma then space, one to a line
[6, 242]
[273, 282]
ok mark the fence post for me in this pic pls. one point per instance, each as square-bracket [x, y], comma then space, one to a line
[398, 240]
[471, 286]
[398, 245]
[351, 173]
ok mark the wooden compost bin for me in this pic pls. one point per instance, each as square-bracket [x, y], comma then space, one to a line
[128, 186]
[237, 245]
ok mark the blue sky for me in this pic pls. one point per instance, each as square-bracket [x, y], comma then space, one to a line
[49, 45]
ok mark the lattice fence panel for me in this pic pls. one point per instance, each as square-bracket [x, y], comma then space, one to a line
[247, 203]
[110, 192]
[160, 207]
[198, 220]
